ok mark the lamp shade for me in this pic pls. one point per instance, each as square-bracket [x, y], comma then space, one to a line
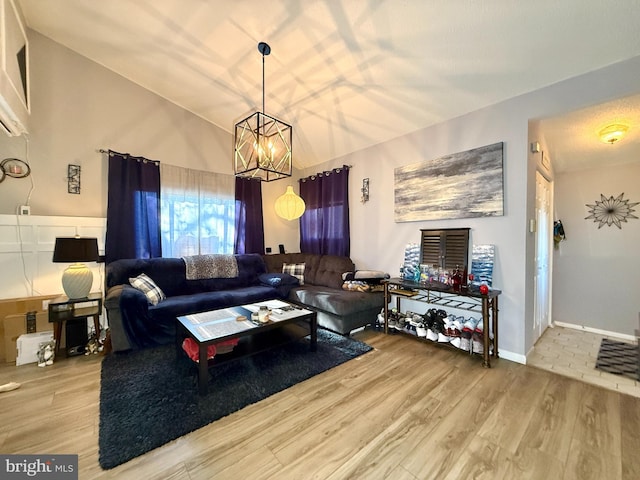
[289, 206]
[75, 249]
[77, 279]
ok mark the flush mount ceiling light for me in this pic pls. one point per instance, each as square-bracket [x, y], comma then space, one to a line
[262, 143]
[613, 133]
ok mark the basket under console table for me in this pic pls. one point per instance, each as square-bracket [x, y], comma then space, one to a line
[445, 296]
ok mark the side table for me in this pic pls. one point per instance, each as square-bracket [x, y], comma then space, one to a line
[63, 309]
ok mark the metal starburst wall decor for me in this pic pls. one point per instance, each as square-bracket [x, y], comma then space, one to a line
[611, 211]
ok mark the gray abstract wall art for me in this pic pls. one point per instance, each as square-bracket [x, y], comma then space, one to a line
[462, 185]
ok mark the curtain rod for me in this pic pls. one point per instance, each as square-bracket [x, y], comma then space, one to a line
[128, 155]
[326, 172]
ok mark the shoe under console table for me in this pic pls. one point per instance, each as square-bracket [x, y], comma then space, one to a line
[445, 296]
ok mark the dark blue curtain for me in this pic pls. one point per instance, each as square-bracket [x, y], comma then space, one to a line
[133, 208]
[324, 226]
[249, 222]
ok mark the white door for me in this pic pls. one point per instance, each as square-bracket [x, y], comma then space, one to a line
[542, 306]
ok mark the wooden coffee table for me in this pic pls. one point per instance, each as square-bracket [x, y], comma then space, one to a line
[286, 323]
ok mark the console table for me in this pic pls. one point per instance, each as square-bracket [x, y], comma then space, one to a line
[445, 296]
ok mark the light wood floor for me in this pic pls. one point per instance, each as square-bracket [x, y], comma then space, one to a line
[407, 410]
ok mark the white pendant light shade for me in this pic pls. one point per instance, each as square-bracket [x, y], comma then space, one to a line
[290, 206]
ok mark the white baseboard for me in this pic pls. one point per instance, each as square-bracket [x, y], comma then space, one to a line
[513, 357]
[598, 331]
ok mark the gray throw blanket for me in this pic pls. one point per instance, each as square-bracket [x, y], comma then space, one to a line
[199, 267]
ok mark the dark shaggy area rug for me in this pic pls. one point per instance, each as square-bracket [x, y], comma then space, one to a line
[149, 397]
[619, 358]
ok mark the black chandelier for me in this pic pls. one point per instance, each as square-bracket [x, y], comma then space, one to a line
[262, 143]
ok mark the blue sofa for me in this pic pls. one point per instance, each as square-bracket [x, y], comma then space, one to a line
[135, 323]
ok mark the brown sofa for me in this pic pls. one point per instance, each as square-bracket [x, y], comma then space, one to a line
[338, 310]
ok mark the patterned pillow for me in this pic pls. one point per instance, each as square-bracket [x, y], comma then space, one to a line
[147, 286]
[295, 269]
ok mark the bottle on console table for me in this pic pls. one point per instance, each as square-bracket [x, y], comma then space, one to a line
[456, 279]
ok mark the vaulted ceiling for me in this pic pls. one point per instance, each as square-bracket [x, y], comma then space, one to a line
[346, 74]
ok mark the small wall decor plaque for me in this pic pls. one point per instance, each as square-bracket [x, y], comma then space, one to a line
[73, 179]
[364, 190]
[611, 211]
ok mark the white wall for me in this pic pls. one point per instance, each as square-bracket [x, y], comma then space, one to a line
[26, 250]
[79, 107]
[596, 280]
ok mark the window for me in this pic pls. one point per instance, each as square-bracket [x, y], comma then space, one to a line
[197, 212]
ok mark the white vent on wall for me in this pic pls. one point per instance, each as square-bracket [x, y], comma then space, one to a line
[14, 71]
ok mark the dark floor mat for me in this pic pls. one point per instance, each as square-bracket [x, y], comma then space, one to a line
[618, 357]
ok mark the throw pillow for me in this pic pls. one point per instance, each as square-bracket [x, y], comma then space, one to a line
[277, 279]
[295, 269]
[147, 286]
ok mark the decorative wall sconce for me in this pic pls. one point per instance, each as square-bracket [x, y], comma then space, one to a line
[14, 167]
[73, 179]
[365, 190]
